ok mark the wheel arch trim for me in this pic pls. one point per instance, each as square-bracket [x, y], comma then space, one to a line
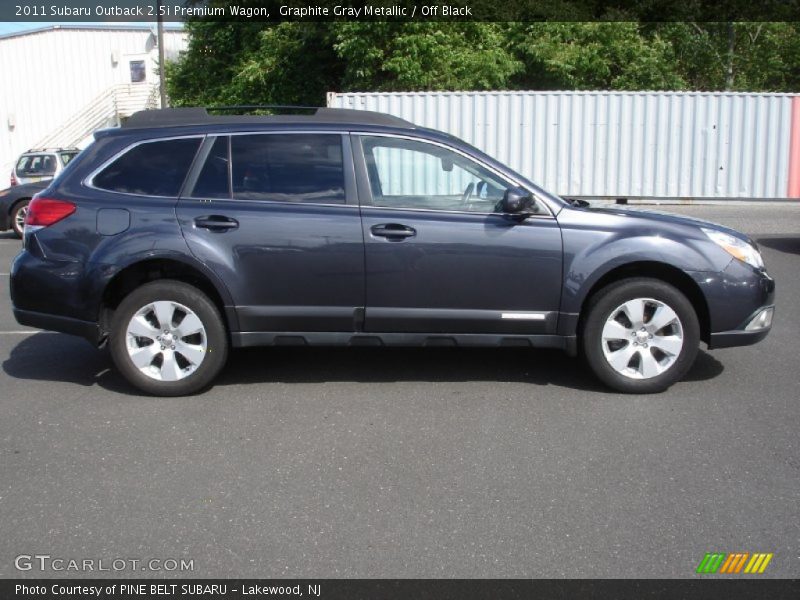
[157, 260]
[684, 281]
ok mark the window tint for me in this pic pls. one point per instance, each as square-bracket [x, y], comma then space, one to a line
[214, 180]
[36, 165]
[411, 174]
[288, 168]
[150, 169]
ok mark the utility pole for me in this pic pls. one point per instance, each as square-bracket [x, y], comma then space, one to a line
[731, 54]
[161, 85]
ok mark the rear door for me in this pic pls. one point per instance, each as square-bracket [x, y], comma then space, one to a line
[276, 217]
[439, 257]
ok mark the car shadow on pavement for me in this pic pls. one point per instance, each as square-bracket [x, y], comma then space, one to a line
[63, 358]
[783, 243]
[319, 365]
[68, 359]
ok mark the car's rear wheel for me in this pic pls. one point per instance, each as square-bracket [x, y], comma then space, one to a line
[640, 335]
[168, 339]
[18, 216]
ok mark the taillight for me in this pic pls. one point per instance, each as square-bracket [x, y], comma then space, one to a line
[43, 212]
[13, 179]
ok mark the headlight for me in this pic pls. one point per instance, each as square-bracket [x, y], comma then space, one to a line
[735, 247]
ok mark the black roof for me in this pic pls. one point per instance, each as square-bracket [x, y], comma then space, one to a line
[171, 117]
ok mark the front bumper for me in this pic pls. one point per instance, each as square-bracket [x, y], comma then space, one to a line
[751, 334]
[739, 302]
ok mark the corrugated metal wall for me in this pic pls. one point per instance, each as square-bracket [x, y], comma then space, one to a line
[615, 144]
[50, 75]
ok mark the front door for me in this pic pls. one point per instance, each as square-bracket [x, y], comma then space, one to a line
[439, 257]
[274, 215]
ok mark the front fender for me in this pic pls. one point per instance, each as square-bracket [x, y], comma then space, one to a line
[595, 246]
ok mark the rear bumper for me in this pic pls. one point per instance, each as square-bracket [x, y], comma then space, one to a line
[85, 329]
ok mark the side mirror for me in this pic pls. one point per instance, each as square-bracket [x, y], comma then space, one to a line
[517, 202]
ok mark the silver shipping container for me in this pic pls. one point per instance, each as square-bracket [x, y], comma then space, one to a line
[617, 144]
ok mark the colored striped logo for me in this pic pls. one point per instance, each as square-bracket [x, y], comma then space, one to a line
[734, 562]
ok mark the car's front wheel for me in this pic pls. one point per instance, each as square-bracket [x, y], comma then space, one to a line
[640, 335]
[168, 339]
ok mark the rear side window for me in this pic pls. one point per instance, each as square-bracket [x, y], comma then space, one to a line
[150, 169]
[288, 168]
[36, 165]
[66, 157]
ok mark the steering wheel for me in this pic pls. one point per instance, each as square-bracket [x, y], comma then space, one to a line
[467, 194]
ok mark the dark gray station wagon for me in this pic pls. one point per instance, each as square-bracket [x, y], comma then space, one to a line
[183, 234]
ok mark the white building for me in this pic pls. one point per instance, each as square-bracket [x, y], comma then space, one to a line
[62, 82]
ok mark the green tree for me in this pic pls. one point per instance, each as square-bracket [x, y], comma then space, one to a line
[204, 72]
[412, 56]
[293, 63]
[736, 56]
[298, 62]
[593, 56]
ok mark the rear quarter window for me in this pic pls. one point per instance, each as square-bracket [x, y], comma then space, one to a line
[155, 168]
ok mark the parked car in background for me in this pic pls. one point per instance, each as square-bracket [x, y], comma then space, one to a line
[41, 165]
[14, 205]
[182, 234]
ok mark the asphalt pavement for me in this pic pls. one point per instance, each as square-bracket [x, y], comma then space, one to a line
[407, 462]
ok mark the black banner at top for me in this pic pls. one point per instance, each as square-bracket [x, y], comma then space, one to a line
[51, 11]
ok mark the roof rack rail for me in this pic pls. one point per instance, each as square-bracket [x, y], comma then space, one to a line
[174, 117]
[51, 149]
[261, 107]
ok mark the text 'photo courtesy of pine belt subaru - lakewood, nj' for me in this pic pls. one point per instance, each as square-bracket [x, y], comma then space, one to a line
[182, 234]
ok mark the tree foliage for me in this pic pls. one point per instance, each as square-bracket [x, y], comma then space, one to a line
[298, 62]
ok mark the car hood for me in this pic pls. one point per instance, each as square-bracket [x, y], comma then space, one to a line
[671, 218]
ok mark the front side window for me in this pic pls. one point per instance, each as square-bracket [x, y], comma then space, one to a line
[150, 169]
[288, 168]
[412, 174]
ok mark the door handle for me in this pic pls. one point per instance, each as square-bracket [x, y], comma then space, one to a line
[216, 223]
[394, 231]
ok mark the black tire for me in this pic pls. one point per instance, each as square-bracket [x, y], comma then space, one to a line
[16, 212]
[600, 309]
[216, 337]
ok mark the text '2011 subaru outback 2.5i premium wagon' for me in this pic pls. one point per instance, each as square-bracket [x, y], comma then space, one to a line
[182, 234]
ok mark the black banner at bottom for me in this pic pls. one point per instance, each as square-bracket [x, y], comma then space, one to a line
[399, 589]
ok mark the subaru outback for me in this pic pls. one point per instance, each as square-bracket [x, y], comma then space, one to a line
[183, 234]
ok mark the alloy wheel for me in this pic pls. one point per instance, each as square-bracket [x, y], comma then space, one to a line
[642, 338]
[166, 341]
